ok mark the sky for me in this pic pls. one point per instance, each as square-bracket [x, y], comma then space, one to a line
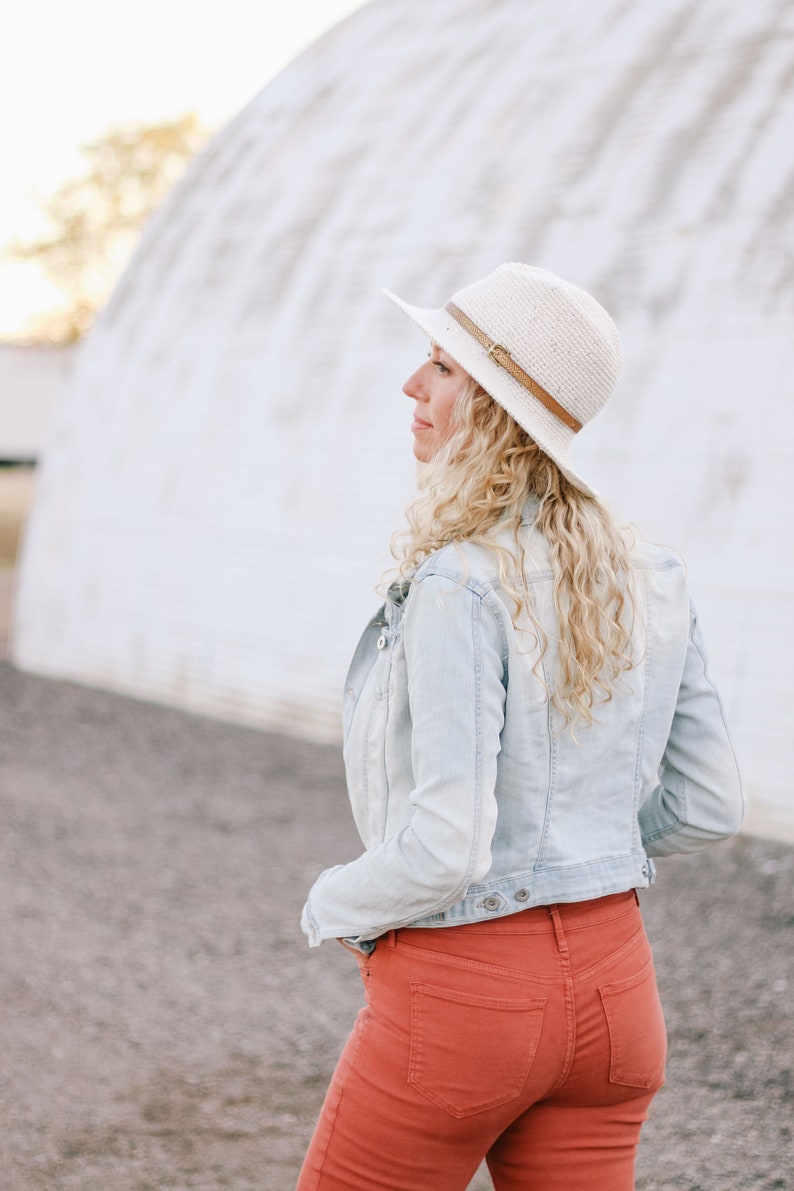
[69, 71]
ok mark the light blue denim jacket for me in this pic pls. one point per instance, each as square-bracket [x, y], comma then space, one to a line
[471, 800]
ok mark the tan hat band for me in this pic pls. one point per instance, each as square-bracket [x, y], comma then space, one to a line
[501, 356]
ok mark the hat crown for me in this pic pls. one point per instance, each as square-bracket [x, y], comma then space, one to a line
[559, 334]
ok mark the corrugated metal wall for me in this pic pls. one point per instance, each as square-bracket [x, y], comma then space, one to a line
[217, 502]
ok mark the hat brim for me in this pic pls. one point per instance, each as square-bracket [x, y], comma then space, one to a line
[542, 426]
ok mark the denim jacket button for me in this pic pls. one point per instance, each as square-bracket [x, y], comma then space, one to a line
[491, 903]
[522, 895]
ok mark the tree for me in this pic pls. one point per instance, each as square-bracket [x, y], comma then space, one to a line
[95, 220]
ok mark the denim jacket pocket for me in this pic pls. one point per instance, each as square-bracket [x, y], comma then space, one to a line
[637, 1036]
[492, 1066]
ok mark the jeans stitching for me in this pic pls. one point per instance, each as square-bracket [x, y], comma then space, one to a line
[475, 965]
[620, 952]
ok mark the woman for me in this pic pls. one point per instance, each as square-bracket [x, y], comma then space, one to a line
[528, 720]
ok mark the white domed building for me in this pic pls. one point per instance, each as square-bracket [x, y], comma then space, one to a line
[234, 452]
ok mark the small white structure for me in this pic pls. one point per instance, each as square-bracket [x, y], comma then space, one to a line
[32, 381]
[217, 502]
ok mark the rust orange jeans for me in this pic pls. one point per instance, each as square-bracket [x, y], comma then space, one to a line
[535, 1041]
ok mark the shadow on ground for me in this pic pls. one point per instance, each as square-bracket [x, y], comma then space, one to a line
[164, 1024]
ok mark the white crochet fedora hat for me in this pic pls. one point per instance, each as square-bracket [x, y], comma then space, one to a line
[542, 347]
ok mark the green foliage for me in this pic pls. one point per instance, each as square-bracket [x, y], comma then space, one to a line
[95, 220]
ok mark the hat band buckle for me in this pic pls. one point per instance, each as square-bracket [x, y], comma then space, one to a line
[494, 352]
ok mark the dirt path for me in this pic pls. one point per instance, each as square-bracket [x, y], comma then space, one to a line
[164, 1025]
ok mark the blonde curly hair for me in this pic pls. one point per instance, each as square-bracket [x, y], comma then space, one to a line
[475, 487]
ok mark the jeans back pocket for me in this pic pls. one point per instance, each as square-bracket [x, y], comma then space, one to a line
[637, 1036]
[470, 1053]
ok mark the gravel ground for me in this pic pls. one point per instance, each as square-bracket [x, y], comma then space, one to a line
[163, 1024]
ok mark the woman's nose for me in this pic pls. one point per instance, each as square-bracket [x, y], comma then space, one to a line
[413, 386]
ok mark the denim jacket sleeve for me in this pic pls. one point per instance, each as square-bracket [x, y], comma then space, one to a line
[454, 657]
[698, 798]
